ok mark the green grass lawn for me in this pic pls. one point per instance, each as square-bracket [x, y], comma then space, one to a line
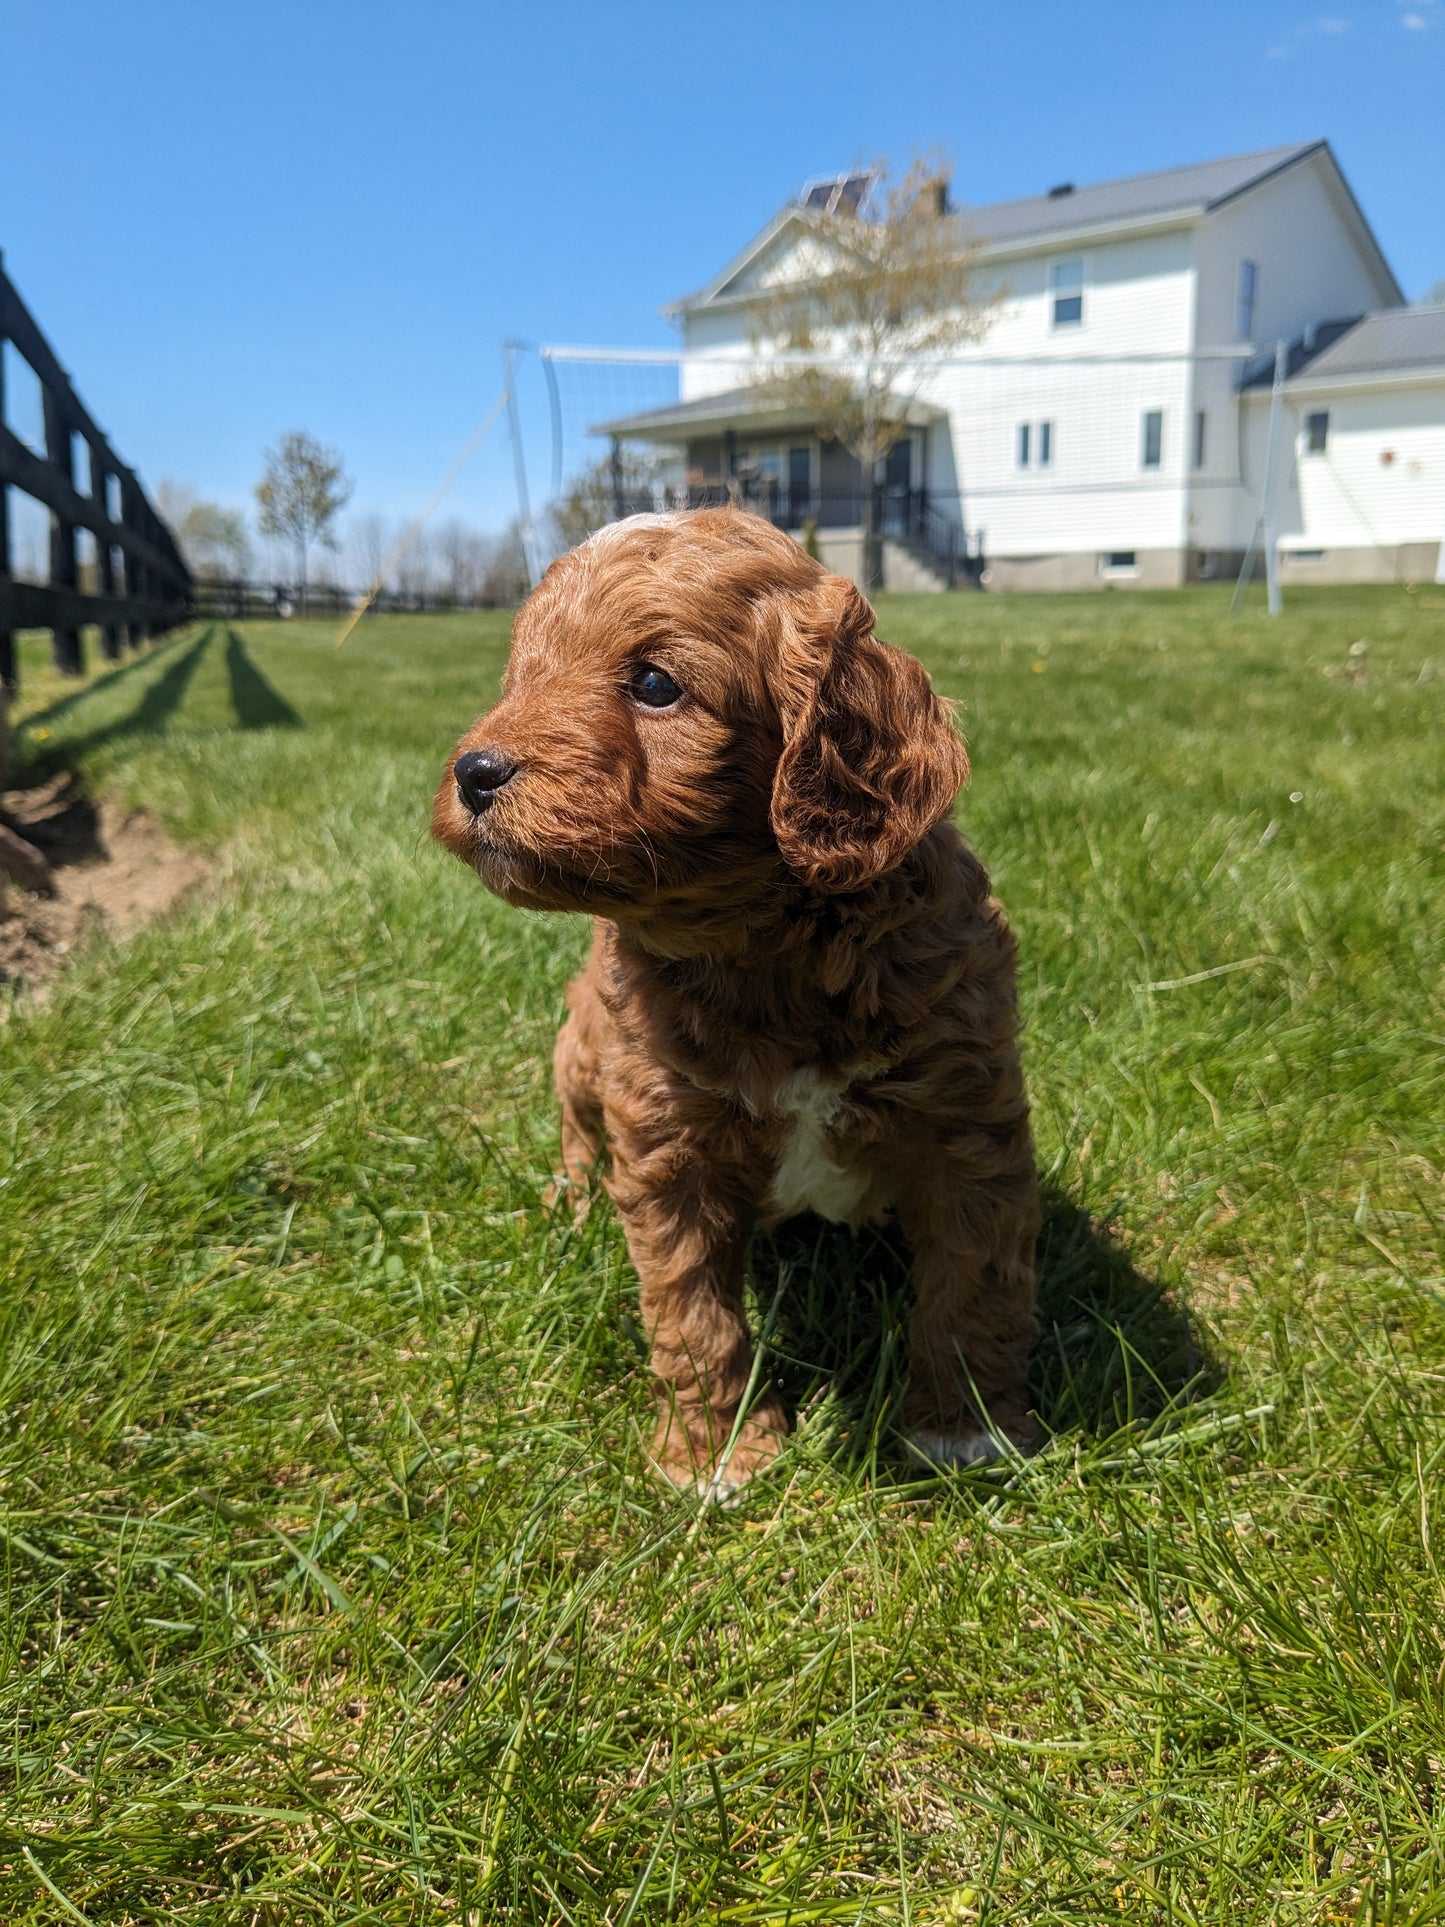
[335, 1587]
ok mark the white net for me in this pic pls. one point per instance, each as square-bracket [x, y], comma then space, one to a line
[1001, 456]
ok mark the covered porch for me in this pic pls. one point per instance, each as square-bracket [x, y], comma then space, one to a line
[734, 447]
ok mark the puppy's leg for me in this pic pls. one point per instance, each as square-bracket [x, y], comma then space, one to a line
[576, 1073]
[687, 1229]
[973, 1234]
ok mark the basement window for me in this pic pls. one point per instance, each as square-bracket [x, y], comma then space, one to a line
[1119, 562]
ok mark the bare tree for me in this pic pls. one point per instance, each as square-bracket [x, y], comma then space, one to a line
[369, 544]
[462, 559]
[215, 541]
[414, 570]
[891, 291]
[591, 498]
[301, 493]
[505, 579]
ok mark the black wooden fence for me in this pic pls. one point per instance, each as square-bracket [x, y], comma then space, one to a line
[138, 585]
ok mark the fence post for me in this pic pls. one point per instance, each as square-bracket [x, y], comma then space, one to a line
[104, 555]
[7, 640]
[68, 654]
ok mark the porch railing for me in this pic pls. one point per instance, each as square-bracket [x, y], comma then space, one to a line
[913, 516]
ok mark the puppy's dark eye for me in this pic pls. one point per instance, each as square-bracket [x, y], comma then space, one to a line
[653, 687]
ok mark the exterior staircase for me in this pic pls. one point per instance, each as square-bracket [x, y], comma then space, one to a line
[911, 566]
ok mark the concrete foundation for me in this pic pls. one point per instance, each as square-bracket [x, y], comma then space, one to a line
[1397, 562]
[841, 550]
[1152, 569]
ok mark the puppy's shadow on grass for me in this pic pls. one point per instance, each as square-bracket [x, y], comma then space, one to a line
[1114, 1347]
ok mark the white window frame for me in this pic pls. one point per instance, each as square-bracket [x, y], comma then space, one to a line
[1120, 571]
[1057, 294]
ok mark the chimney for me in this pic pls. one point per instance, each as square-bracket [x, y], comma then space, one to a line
[1063, 188]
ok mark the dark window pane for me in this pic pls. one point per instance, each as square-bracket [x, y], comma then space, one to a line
[1023, 444]
[1068, 308]
[1317, 430]
[1201, 427]
[1244, 306]
[1046, 444]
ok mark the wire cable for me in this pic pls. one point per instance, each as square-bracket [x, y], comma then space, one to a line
[479, 435]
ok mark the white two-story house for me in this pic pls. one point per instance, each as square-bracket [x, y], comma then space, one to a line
[1104, 429]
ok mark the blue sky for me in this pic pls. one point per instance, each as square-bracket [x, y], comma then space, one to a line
[233, 219]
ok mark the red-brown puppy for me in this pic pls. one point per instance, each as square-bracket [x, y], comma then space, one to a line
[800, 994]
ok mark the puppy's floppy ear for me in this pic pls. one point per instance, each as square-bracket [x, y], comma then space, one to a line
[870, 757]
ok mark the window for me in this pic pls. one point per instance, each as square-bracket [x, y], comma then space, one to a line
[800, 482]
[1152, 450]
[1035, 444]
[1066, 291]
[1201, 436]
[1119, 562]
[1244, 303]
[1317, 432]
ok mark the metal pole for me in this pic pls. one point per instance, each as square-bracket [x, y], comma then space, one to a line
[519, 462]
[1271, 521]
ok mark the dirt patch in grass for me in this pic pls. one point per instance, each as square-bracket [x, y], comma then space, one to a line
[112, 868]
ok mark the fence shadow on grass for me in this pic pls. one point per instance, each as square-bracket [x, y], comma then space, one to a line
[257, 702]
[1113, 1348]
[48, 717]
[157, 705]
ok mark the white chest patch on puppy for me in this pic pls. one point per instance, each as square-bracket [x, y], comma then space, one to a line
[808, 1177]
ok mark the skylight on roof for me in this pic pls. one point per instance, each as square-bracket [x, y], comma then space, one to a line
[838, 193]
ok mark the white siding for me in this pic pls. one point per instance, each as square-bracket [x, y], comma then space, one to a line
[1349, 496]
[1096, 495]
[1313, 267]
[1158, 332]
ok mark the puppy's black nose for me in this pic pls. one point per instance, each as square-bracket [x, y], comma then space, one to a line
[480, 774]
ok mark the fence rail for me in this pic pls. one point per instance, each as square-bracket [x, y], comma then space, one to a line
[230, 598]
[138, 585]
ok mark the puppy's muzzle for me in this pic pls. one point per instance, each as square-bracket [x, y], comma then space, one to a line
[479, 775]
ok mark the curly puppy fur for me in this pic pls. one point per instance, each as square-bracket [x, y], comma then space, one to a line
[800, 993]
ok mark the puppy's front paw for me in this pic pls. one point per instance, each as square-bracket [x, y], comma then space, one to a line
[967, 1445]
[692, 1452]
[574, 1192]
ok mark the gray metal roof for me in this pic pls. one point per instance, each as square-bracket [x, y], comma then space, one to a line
[731, 405]
[732, 408]
[1394, 342]
[1174, 190]
[1171, 192]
